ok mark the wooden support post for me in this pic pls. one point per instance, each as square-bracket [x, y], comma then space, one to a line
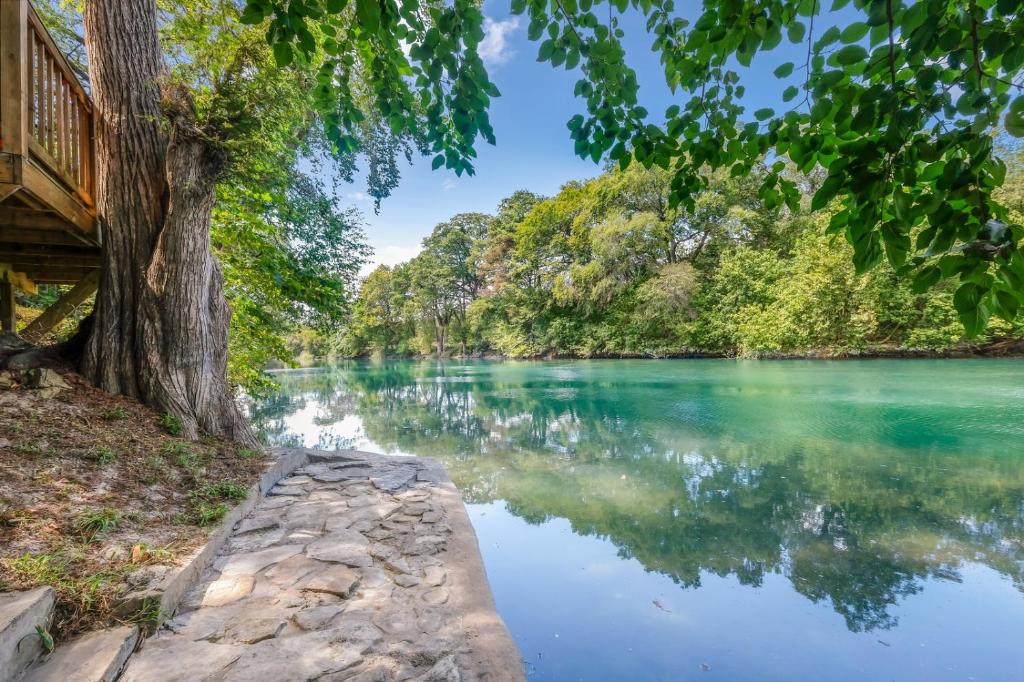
[7, 320]
[52, 316]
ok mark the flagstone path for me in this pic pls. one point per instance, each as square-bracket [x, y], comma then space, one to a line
[355, 567]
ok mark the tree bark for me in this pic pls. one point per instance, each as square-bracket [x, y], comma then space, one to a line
[161, 320]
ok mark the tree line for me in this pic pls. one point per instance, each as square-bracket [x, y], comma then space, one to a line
[607, 267]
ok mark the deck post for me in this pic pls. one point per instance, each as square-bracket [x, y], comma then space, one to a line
[14, 91]
[7, 318]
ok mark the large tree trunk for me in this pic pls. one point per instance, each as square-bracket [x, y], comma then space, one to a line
[160, 333]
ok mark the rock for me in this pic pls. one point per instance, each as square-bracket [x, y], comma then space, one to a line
[335, 475]
[228, 589]
[97, 655]
[406, 580]
[331, 580]
[301, 657]
[336, 523]
[292, 570]
[250, 563]
[396, 621]
[254, 524]
[396, 479]
[434, 576]
[357, 629]
[378, 673]
[317, 617]
[444, 670]
[432, 516]
[430, 619]
[295, 480]
[436, 596]
[344, 546]
[288, 490]
[362, 501]
[168, 659]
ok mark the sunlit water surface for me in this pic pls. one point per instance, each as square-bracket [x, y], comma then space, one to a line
[718, 520]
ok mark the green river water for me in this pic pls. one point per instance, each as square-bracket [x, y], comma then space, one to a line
[717, 519]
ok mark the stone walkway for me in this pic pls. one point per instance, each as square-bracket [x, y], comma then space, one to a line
[355, 567]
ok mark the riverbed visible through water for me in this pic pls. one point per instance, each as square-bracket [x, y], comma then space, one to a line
[717, 519]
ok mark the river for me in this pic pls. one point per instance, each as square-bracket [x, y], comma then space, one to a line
[718, 519]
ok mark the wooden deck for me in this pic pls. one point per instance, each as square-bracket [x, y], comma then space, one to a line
[48, 227]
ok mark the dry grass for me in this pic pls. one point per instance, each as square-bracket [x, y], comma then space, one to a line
[96, 496]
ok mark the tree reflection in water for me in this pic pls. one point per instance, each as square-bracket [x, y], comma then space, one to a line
[745, 474]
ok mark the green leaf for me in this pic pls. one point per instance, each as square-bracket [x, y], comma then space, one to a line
[926, 279]
[789, 93]
[851, 54]
[784, 70]
[437, 162]
[283, 54]
[368, 14]
[854, 32]
[972, 311]
[764, 114]
[1015, 123]
[795, 32]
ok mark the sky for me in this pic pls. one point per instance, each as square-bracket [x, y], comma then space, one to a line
[533, 151]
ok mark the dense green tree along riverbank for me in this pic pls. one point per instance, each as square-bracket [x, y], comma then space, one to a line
[753, 520]
[607, 268]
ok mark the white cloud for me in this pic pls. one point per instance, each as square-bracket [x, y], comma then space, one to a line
[494, 48]
[358, 196]
[449, 184]
[389, 255]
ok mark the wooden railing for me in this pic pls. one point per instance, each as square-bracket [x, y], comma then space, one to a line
[52, 121]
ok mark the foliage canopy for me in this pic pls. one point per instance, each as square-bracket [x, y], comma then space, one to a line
[895, 102]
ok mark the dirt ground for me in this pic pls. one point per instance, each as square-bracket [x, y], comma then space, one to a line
[98, 496]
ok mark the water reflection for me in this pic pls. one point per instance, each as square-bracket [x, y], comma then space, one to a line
[855, 482]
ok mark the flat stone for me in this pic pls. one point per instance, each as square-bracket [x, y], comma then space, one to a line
[228, 589]
[276, 503]
[363, 501]
[396, 479]
[292, 570]
[430, 619]
[357, 629]
[168, 659]
[373, 577]
[344, 546]
[436, 596]
[413, 495]
[336, 523]
[250, 563]
[255, 524]
[295, 480]
[253, 630]
[444, 670]
[20, 614]
[288, 491]
[335, 475]
[432, 516]
[330, 580]
[396, 621]
[326, 495]
[317, 617]
[96, 655]
[434, 576]
[301, 657]
[406, 580]
[378, 673]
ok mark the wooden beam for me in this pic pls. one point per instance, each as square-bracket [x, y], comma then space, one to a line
[17, 235]
[58, 276]
[10, 168]
[6, 306]
[56, 196]
[15, 251]
[52, 316]
[43, 263]
[30, 219]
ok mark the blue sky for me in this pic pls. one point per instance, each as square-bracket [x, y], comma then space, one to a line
[533, 148]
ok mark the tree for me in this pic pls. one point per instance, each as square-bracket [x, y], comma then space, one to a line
[175, 120]
[895, 107]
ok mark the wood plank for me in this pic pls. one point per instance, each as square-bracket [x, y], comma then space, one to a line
[17, 235]
[9, 252]
[53, 315]
[39, 183]
[62, 276]
[7, 319]
[29, 219]
[31, 18]
[37, 264]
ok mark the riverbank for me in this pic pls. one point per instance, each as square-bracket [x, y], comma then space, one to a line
[98, 496]
[354, 567]
[1006, 348]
